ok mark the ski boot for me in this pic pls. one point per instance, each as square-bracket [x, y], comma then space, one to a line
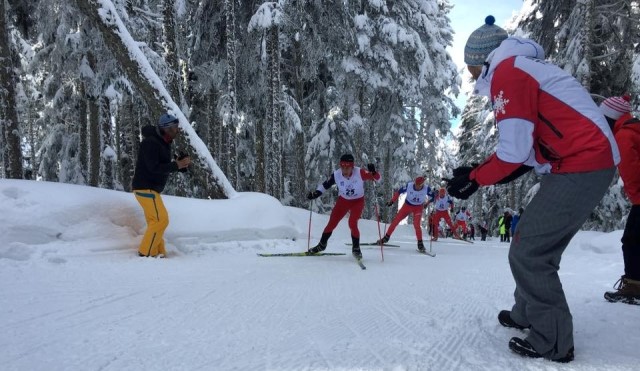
[322, 245]
[383, 240]
[355, 248]
[421, 246]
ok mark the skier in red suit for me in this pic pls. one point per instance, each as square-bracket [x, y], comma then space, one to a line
[350, 181]
[414, 203]
[443, 203]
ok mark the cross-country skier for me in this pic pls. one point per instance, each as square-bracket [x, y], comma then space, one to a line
[462, 217]
[350, 182]
[443, 204]
[415, 201]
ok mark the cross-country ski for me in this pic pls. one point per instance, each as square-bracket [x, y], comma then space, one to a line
[304, 253]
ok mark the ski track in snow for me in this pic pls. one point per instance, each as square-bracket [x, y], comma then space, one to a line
[218, 306]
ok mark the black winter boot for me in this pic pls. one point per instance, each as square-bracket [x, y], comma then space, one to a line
[355, 247]
[504, 317]
[525, 349]
[421, 246]
[322, 245]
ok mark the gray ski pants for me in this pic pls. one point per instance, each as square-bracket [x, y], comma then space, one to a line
[549, 222]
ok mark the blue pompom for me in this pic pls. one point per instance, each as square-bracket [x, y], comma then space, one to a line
[490, 20]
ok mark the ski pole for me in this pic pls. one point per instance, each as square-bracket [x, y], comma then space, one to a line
[432, 227]
[375, 190]
[309, 234]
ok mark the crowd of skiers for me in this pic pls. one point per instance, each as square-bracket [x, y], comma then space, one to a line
[546, 122]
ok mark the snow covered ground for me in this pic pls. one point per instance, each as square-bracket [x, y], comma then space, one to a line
[75, 296]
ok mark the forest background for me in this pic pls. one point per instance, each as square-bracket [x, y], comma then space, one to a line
[270, 93]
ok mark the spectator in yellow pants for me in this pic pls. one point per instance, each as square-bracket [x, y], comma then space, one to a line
[153, 167]
[157, 221]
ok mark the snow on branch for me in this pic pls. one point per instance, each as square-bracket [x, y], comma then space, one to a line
[268, 15]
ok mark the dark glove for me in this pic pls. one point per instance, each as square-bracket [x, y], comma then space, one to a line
[461, 186]
[390, 203]
[462, 170]
[517, 173]
[371, 168]
[180, 157]
[313, 195]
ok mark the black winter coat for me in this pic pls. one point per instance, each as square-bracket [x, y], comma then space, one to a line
[507, 221]
[154, 161]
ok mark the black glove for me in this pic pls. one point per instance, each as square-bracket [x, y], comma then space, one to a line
[180, 157]
[460, 186]
[390, 203]
[462, 170]
[517, 173]
[313, 195]
[371, 168]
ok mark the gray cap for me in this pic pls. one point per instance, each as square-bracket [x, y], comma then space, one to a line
[483, 41]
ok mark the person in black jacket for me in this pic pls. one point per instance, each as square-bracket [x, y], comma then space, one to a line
[508, 219]
[152, 170]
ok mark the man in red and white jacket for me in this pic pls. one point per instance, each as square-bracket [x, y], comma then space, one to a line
[546, 120]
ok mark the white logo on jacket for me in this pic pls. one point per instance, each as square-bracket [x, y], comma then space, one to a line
[499, 103]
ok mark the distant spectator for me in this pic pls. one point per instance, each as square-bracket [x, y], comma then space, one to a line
[514, 222]
[507, 226]
[484, 228]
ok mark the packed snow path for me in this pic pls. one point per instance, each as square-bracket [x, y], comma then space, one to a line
[221, 307]
[76, 297]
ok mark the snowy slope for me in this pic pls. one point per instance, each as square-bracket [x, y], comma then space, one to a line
[76, 297]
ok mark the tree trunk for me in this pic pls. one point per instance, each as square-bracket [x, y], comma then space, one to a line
[94, 142]
[231, 121]
[261, 179]
[156, 98]
[298, 174]
[512, 195]
[8, 114]
[125, 140]
[274, 119]
[32, 169]
[171, 50]
[82, 128]
[588, 43]
[106, 140]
